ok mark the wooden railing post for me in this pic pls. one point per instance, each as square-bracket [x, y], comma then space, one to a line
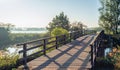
[92, 63]
[64, 39]
[56, 42]
[44, 46]
[95, 51]
[78, 33]
[95, 45]
[70, 37]
[25, 56]
[74, 35]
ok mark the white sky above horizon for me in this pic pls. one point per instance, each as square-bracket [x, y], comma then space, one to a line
[38, 13]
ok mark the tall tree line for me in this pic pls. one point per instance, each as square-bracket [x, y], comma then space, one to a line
[110, 15]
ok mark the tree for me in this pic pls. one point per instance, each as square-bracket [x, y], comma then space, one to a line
[110, 12]
[4, 37]
[58, 31]
[78, 26]
[60, 20]
[75, 26]
[4, 34]
[7, 26]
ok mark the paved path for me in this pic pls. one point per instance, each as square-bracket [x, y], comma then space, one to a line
[72, 56]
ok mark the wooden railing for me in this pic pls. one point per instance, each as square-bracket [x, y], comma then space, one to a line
[46, 44]
[94, 47]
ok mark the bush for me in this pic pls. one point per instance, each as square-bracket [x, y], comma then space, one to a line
[103, 62]
[8, 61]
[58, 31]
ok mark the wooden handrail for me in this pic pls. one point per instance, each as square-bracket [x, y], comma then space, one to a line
[94, 45]
[19, 44]
[44, 42]
[96, 37]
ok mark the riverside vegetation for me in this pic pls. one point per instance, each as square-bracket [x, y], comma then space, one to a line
[7, 39]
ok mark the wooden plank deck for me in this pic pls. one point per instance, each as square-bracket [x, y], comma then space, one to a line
[72, 56]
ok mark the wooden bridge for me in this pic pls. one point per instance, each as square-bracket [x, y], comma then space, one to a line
[68, 52]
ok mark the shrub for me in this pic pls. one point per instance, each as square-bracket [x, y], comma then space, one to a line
[58, 31]
[8, 61]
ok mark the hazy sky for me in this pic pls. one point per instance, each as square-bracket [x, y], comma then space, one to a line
[38, 13]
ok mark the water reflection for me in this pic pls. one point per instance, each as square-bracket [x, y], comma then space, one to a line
[15, 50]
[107, 51]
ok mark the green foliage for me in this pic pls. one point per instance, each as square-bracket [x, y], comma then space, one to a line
[4, 36]
[8, 61]
[58, 31]
[59, 21]
[97, 29]
[109, 18]
[91, 32]
[103, 60]
[76, 26]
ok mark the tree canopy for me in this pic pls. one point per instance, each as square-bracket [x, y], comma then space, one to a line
[60, 20]
[4, 36]
[75, 26]
[109, 15]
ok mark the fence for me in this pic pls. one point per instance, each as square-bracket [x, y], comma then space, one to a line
[95, 44]
[46, 44]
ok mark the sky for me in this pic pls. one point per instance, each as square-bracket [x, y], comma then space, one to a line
[38, 13]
